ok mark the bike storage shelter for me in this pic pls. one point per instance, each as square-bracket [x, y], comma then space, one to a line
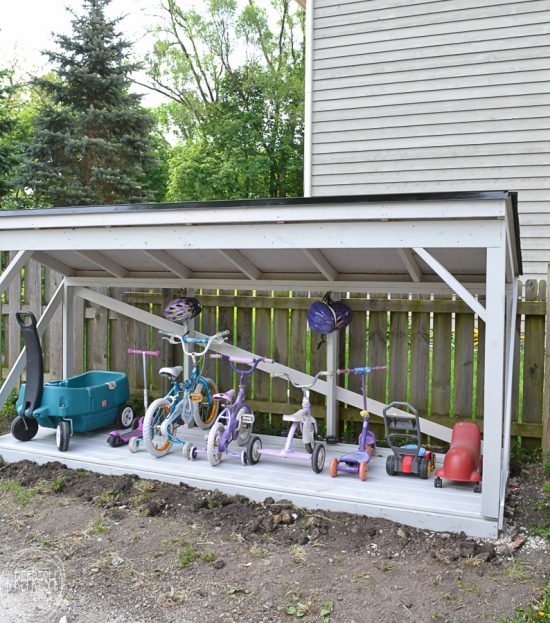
[464, 243]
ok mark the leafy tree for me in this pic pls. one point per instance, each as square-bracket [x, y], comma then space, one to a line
[237, 88]
[92, 140]
[8, 153]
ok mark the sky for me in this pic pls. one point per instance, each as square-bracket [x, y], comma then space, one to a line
[26, 28]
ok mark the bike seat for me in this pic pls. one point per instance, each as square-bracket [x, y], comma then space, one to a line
[225, 396]
[173, 373]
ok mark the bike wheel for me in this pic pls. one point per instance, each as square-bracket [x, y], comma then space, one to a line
[245, 429]
[318, 458]
[213, 453]
[205, 412]
[154, 441]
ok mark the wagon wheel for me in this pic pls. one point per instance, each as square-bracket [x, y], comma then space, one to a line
[63, 435]
[24, 428]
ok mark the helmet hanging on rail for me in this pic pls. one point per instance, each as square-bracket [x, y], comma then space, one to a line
[182, 309]
[327, 315]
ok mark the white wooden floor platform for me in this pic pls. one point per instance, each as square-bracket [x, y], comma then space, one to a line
[405, 499]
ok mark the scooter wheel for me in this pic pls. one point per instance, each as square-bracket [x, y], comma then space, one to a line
[114, 441]
[244, 458]
[363, 470]
[133, 444]
[24, 428]
[63, 435]
[477, 487]
[438, 483]
[318, 458]
[333, 468]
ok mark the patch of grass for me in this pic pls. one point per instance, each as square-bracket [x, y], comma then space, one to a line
[97, 526]
[7, 412]
[208, 557]
[21, 495]
[298, 554]
[144, 489]
[108, 497]
[58, 484]
[187, 555]
[517, 571]
[537, 612]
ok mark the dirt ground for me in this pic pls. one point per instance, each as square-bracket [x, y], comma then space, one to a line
[140, 551]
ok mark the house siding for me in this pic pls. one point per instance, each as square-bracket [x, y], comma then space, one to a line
[434, 95]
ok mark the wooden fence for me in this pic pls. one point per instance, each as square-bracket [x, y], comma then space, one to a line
[433, 346]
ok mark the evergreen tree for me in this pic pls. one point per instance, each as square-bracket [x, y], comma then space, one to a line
[92, 140]
[8, 158]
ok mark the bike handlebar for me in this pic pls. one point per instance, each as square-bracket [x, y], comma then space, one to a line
[284, 375]
[363, 370]
[173, 338]
[147, 353]
[253, 362]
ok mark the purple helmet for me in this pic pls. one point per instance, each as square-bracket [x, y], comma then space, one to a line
[327, 315]
[182, 309]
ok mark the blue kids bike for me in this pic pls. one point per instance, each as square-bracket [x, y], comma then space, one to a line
[188, 402]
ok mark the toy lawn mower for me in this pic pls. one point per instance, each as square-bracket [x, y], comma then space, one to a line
[463, 460]
[75, 405]
[407, 458]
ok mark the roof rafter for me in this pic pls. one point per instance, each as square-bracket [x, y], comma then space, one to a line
[170, 263]
[321, 263]
[242, 263]
[104, 262]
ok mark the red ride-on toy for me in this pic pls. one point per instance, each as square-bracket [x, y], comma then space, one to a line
[463, 460]
[409, 458]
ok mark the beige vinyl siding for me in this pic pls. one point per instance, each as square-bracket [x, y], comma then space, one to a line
[435, 95]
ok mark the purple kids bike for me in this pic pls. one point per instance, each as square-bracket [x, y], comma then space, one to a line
[236, 419]
[302, 419]
[357, 462]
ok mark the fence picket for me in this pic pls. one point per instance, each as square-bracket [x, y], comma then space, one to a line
[441, 359]
[464, 365]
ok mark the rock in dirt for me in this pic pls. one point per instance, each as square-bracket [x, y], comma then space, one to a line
[218, 564]
[154, 508]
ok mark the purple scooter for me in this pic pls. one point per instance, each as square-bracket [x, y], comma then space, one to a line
[357, 462]
[303, 419]
[132, 437]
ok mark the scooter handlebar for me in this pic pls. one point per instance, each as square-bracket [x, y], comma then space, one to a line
[362, 370]
[147, 353]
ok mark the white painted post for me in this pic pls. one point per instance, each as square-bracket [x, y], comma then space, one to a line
[494, 380]
[332, 366]
[187, 363]
[68, 330]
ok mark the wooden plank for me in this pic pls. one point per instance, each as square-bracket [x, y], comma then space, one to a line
[420, 360]
[517, 354]
[377, 351]
[14, 334]
[119, 342]
[78, 344]
[208, 326]
[54, 333]
[298, 345]
[480, 368]
[226, 320]
[318, 356]
[96, 338]
[262, 346]
[546, 411]
[279, 387]
[533, 362]
[357, 356]
[441, 361]
[399, 351]
[464, 366]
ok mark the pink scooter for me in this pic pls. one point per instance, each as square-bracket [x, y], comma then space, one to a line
[132, 437]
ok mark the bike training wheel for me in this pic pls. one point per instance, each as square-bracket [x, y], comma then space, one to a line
[63, 435]
[318, 458]
[205, 412]
[333, 468]
[253, 450]
[124, 417]
[24, 428]
[156, 444]
[363, 470]
[133, 444]
[187, 450]
[213, 453]
[245, 430]
[309, 446]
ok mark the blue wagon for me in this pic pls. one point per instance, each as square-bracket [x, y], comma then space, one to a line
[75, 405]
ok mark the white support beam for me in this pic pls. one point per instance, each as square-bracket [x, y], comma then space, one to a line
[101, 260]
[453, 283]
[242, 263]
[321, 263]
[332, 401]
[410, 264]
[13, 269]
[382, 285]
[129, 310]
[457, 234]
[493, 394]
[170, 263]
[51, 262]
[18, 366]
